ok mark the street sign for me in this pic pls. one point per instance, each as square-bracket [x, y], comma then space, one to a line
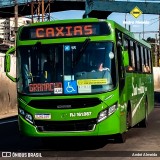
[136, 12]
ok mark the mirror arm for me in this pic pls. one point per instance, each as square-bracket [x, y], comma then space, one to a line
[11, 78]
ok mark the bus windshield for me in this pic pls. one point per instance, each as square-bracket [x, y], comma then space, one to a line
[69, 68]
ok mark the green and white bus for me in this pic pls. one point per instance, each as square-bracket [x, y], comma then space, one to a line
[85, 77]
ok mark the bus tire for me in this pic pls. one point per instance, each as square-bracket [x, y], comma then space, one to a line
[144, 122]
[120, 138]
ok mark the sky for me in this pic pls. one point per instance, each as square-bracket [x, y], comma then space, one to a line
[150, 22]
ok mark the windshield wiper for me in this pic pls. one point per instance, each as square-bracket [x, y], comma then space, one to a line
[81, 52]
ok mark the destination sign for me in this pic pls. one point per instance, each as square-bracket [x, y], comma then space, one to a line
[41, 87]
[64, 30]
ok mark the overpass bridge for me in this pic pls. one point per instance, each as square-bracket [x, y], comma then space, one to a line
[103, 8]
[24, 6]
[93, 8]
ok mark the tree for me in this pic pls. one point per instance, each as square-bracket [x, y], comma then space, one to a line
[152, 41]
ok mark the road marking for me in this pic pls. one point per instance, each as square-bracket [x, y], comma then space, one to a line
[9, 121]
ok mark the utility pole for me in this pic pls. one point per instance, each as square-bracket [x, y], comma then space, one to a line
[16, 18]
[16, 15]
[156, 52]
[159, 43]
[143, 23]
[40, 10]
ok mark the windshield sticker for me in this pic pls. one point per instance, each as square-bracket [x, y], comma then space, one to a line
[58, 88]
[91, 82]
[73, 47]
[70, 87]
[41, 87]
[84, 89]
[68, 77]
[42, 116]
[67, 48]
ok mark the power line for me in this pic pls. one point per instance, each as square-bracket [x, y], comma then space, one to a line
[146, 32]
[154, 22]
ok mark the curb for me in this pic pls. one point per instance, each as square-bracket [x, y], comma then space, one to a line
[8, 115]
[9, 118]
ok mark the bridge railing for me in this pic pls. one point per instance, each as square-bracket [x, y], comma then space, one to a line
[137, 0]
[8, 3]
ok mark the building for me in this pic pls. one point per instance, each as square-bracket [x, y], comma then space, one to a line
[7, 27]
[4, 29]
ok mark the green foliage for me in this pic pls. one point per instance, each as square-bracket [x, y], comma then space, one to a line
[152, 42]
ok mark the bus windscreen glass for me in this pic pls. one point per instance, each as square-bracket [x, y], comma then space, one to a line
[66, 68]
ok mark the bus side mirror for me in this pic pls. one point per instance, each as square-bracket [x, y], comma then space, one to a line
[7, 63]
[125, 58]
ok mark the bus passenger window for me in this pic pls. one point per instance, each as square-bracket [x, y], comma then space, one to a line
[131, 66]
[144, 69]
[137, 49]
[148, 69]
[142, 59]
[146, 58]
[149, 60]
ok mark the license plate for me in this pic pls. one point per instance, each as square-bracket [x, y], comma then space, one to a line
[42, 116]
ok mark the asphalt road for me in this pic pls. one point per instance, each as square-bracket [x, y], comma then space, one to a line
[139, 140]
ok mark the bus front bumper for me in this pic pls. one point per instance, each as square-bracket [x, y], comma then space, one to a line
[109, 126]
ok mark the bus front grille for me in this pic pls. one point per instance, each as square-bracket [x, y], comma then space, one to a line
[78, 125]
[64, 103]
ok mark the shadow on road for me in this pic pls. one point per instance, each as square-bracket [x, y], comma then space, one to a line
[157, 99]
[12, 140]
[74, 143]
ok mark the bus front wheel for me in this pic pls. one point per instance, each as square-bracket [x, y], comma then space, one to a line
[120, 138]
[144, 122]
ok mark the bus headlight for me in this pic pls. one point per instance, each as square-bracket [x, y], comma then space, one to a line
[102, 116]
[21, 112]
[106, 113]
[28, 117]
[112, 109]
